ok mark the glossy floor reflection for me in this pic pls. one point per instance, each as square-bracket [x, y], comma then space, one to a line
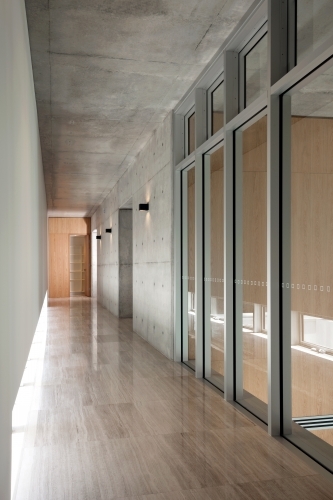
[113, 418]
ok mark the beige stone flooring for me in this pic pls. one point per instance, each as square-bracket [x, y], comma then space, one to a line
[113, 418]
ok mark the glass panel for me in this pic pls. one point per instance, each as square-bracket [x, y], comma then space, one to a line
[256, 71]
[214, 272]
[318, 331]
[218, 108]
[191, 133]
[189, 318]
[251, 267]
[311, 268]
[314, 25]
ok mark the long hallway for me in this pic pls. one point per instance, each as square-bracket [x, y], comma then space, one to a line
[113, 418]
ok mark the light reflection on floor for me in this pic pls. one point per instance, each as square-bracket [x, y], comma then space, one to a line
[27, 391]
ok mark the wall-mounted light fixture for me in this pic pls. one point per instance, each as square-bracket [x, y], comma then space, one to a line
[143, 207]
[108, 230]
[98, 237]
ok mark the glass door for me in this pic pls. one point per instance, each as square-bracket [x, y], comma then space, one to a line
[188, 267]
[251, 267]
[307, 283]
[214, 266]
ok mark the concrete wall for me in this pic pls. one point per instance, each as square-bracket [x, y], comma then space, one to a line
[125, 263]
[149, 179]
[23, 240]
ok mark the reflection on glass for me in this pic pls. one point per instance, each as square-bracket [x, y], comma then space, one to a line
[214, 272]
[189, 318]
[314, 25]
[318, 332]
[256, 71]
[311, 280]
[251, 268]
[191, 133]
[218, 108]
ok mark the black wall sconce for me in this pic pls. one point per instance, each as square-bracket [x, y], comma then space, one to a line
[108, 230]
[143, 207]
[99, 237]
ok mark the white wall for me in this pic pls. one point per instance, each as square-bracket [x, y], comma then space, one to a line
[149, 179]
[23, 234]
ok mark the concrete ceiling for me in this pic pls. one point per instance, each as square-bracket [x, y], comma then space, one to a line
[106, 73]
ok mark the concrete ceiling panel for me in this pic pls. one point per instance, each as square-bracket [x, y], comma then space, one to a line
[106, 73]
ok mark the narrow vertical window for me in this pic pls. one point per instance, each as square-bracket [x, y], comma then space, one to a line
[214, 267]
[217, 104]
[256, 71]
[314, 25]
[191, 133]
[251, 267]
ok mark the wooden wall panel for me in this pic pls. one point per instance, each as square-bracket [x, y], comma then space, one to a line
[255, 212]
[217, 121]
[69, 225]
[58, 265]
[312, 216]
[59, 229]
[217, 222]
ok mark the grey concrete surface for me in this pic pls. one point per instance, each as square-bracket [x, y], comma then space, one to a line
[106, 73]
[125, 263]
[149, 179]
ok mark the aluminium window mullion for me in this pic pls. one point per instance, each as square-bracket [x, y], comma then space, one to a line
[286, 424]
[207, 268]
[184, 243]
[276, 355]
[199, 267]
[178, 266]
[238, 256]
[230, 111]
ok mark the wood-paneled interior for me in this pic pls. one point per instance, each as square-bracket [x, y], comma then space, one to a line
[217, 121]
[312, 216]
[217, 223]
[59, 230]
[312, 242]
[69, 225]
[217, 257]
[254, 198]
[59, 265]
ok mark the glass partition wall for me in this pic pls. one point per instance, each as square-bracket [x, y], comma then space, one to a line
[308, 286]
[251, 266]
[213, 267]
[188, 266]
[256, 300]
[314, 25]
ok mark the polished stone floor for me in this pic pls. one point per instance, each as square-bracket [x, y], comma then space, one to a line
[111, 417]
